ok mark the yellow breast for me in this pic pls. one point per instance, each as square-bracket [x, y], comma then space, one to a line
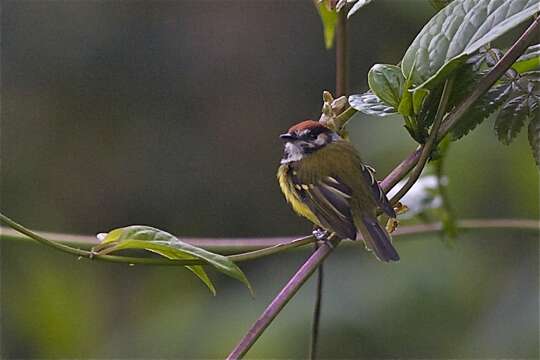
[292, 196]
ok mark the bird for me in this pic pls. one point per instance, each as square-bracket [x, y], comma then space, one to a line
[324, 180]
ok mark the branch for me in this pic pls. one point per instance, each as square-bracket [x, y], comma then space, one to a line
[282, 299]
[427, 148]
[324, 250]
[239, 244]
[341, 55]
[250, 255]
[313, 349]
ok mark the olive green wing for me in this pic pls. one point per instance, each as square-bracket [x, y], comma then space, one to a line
[329, 200]
[368, 173]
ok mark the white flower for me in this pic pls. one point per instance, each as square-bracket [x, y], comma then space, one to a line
[423, 195]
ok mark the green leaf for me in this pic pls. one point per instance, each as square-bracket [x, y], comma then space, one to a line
[530, 60]
[368, 103]
[329, 20]
[481, 109]
[198, 270]
[456, 32]
[169, 246]
[418, 98]
[534, 136]
[426, 115]
[386, 81]
[357, 6]
[405, 107]
[511, 118]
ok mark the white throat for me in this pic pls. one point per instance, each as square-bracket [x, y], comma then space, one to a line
[293, 152]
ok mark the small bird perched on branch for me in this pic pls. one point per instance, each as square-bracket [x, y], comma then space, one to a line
[324, 180]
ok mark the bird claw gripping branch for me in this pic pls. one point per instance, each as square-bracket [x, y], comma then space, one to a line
[320, 234]
[400, 208]
[392, 223]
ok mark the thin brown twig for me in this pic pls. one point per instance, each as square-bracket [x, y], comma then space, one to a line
[317, 306]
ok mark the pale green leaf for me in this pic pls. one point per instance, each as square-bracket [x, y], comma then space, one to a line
[530, 60]
[167, 245]
[198, 270]
[456, 32]
[386, 81]
[329, 20]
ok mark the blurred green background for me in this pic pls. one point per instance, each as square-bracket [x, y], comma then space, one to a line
[168, 114]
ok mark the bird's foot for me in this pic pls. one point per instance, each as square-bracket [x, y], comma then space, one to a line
[320, 234]
[400, 208]
[391, 225]
[323, 236]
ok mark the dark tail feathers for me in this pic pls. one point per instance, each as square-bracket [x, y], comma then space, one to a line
[377, 239]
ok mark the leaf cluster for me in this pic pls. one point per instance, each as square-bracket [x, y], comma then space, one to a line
[454, 44]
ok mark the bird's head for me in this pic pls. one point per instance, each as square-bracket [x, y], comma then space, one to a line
[305, 138]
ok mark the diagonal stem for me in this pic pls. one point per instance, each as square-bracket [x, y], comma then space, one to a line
[428, 147]
[282, 299]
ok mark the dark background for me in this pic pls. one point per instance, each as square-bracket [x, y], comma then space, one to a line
[168, 114]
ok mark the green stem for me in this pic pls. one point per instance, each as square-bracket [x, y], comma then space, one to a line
[89, 254]
[343, 117]
[428, 146]
[341, 55]
[250, 255]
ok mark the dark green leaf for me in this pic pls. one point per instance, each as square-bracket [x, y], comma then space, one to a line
[386, 81]
[370, 104]
[329, 20]
[167, 245]
[198, 270]
[481, 109]
[456, 32]
[534, 135]
[530, 60]
[532, 78]
[429, 107]
[511, 118]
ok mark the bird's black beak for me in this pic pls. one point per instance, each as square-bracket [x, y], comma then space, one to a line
[287, 137]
